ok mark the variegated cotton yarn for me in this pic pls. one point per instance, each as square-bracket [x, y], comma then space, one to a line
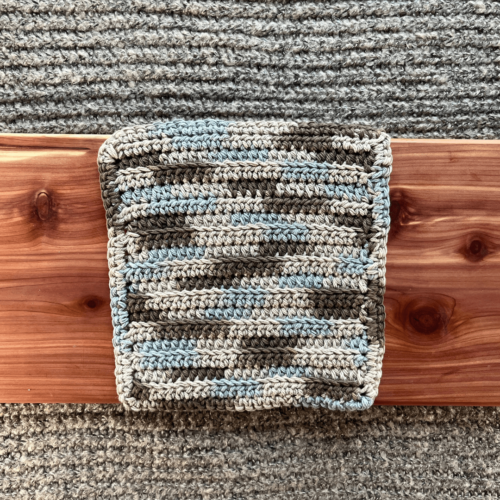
[247, 263]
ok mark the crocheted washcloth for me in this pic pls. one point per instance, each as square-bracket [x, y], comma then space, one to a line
[247, 263]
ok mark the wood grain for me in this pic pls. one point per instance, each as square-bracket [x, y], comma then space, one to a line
[443, 273]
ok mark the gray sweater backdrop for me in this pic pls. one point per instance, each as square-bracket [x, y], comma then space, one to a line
[415, 68]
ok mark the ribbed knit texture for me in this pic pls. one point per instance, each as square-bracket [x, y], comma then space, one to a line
[54, 452]
[415, 68]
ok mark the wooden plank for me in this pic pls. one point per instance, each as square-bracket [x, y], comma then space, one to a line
[55, 328]
[443, 273]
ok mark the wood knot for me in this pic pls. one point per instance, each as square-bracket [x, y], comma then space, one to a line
[475, 249]
[43, 205]
[426, 318]
[401, 212]
[92, 303]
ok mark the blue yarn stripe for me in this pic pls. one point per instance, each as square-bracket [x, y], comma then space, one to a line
[177, 128]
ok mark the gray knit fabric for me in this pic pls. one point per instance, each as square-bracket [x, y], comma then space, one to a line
[97, 452]
[417, 68]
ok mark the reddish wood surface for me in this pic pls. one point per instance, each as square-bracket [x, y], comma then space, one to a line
[443, 273]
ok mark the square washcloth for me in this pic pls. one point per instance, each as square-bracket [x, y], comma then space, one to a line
[247, 263]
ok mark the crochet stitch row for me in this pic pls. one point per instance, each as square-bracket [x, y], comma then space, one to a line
[247, 263]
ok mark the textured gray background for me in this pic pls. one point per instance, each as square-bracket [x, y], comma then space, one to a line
[414, 67]
[417, 68]
[99, 452]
